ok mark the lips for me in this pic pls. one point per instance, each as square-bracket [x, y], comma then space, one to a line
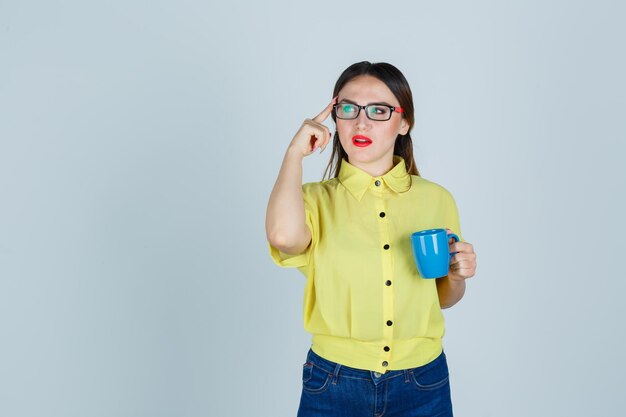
[361, 141]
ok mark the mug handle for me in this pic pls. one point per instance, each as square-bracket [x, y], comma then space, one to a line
[456, 239]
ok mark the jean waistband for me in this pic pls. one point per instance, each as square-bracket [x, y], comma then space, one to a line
[337, 369]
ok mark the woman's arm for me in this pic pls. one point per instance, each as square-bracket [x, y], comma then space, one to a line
[450, 292]
[285, 224]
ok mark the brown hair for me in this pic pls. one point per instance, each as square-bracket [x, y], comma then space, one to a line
[393, 78]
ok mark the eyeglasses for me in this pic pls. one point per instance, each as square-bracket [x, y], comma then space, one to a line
[378, 112]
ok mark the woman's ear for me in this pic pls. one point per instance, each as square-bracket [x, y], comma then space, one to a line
[404, 127]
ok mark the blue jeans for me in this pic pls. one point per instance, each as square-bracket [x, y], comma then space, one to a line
[330, 389]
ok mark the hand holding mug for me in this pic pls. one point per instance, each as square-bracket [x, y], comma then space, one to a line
[463, 262]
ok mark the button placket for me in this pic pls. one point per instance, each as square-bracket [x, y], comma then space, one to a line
[386, 246]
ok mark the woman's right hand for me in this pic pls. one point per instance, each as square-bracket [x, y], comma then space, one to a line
[313, 134]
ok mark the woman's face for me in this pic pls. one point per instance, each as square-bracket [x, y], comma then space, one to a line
[373, 153]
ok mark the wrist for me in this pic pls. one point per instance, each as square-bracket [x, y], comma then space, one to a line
[294, 153]
[455, 281]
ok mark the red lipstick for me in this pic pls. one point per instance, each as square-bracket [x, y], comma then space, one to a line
[361, 141]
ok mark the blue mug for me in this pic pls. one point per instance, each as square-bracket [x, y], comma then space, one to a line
[431, 252]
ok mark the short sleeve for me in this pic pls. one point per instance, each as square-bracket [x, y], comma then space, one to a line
[451, 211]
[302, 259]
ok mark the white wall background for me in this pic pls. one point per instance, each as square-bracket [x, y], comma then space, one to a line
[139, 142]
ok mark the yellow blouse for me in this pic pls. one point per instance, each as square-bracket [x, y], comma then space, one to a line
[364, 301]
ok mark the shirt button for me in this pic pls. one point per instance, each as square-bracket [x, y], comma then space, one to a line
[388, 283]
[389, 322]
[386, 348]
[382, 214]
[377, 183]
[386, 247]
[385, 363]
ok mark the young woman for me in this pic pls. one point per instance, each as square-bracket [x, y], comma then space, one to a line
[377, 325]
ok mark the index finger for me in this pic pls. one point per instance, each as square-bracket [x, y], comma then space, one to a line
[325, 113]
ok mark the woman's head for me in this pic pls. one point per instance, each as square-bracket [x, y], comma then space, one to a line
[363, 84]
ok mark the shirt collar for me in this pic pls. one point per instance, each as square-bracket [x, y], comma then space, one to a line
[358, 181]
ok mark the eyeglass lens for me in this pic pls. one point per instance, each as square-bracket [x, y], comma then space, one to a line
[373, 111]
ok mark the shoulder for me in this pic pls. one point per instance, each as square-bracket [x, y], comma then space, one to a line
[320, 189]
[422, 185]
[424, 189]
[319, 194]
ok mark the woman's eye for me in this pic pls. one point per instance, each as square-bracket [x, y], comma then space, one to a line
[347, 108]
[379, 110]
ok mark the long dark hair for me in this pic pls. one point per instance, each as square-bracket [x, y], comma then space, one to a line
[393, 78]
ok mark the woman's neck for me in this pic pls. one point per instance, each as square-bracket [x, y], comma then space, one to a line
[375, 168]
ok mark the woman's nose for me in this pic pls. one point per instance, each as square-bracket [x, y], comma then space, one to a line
[362, 121]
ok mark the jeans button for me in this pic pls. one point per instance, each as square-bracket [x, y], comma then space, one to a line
[377, 375]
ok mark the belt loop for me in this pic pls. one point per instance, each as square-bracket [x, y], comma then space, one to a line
[406, 375]
[336, 373]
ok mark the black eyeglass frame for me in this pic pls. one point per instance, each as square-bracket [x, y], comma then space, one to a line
[392, 108]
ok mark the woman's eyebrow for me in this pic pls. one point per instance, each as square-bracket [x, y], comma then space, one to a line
[354, 102]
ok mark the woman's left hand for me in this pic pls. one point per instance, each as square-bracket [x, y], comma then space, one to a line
[463, 263]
